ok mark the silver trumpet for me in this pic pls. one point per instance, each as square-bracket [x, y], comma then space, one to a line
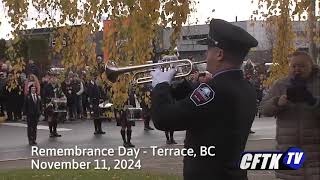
[141, 73]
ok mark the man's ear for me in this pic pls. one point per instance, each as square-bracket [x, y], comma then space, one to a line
[220, 54]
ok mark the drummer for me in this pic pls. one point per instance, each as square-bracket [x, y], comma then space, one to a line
[52, 116]
[122, 120]
[94, 94]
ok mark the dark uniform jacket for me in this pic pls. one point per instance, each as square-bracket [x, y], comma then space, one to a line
[94, 94]
[70, 93]
[13, 98]
[131, 98]
[223, 122]
[93, 91]
[182, 89]
[2, 89]
[31, 108]
[47, 92]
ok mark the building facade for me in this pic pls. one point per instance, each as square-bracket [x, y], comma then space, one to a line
[188, 47]
[187, 44]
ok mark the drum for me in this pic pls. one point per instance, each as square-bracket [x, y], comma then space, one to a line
[60, 104]
[134, 114]
[60, 109]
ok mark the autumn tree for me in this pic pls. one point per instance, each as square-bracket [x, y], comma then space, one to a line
[74, 22]
[283, 12]
[271, 31]
[3, 49]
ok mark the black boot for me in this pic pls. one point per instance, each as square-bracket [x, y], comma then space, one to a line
[57, 135]
[51, 130]
[167, 137]
[96, 129]
[173, 141]
[171, 138]
[99, 127]
[123, 135]
[129, 132]
[55, 130]
[147, 125]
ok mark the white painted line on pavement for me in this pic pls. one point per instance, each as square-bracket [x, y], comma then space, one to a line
[264, 128]
[40, 127]
[17, 159]
[257, 139]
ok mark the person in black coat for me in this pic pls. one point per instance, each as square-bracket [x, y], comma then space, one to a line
[47, 93]
[32, 109]
[85, 102]
[2, 92]
[51, 111]
[70, 93]
[47, 90]
[217, 114]
[94, 94]
[14, 100]
[52, 119]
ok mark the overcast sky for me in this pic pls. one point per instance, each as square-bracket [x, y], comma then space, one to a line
[224, 9]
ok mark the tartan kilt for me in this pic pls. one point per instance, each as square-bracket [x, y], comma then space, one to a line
[122, 120]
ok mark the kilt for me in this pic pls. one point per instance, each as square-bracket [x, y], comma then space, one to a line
[146, 113]
[123, 121]
[96, 111]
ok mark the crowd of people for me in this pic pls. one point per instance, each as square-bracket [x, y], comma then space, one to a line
[82, 96]
[81, 93]
[11, 100]
[73, 88]
[258, 80]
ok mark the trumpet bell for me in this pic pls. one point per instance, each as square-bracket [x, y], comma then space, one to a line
[112, 73]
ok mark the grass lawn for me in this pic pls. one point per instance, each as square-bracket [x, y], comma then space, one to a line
[82, 175]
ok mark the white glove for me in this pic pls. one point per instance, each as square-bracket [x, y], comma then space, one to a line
[159, 77]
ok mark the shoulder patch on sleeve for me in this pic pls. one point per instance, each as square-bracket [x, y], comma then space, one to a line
[202, 95]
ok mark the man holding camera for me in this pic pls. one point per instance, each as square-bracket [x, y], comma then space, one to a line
[294, 101]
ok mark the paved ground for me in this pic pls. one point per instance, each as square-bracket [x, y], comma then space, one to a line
[15, 153]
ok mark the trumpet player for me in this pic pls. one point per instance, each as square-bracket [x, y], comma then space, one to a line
[122, 120]
[216, 114]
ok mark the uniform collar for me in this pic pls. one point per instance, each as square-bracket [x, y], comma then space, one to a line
[226, 71]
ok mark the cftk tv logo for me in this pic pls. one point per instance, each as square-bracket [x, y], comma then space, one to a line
[292, 159]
